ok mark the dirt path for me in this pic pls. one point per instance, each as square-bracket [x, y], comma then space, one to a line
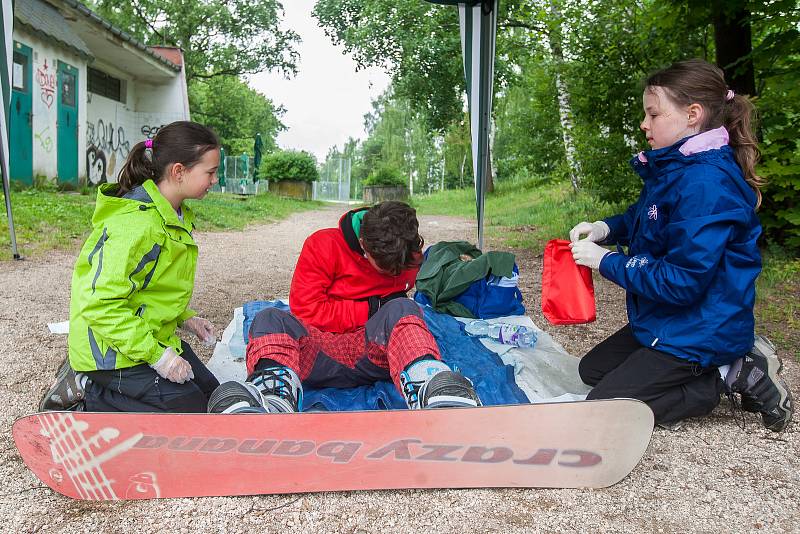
[709, 476]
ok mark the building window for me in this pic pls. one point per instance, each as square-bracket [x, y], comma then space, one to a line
[102, 84]
[20, 75]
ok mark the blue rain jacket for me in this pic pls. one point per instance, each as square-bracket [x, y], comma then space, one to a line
[692, 258]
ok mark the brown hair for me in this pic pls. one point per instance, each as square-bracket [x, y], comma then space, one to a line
[179, 142]
[697, 81]
[390, 234]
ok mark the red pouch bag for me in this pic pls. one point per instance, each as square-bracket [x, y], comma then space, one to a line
[567, 288]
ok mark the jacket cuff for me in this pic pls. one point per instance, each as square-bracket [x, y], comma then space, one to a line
[187, 314]
[611, 265]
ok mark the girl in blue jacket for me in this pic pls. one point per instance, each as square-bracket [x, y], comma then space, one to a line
[691, 260]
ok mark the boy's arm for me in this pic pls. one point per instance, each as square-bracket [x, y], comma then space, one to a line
[308, 296]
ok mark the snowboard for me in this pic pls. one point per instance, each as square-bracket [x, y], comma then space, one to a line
[110, 456]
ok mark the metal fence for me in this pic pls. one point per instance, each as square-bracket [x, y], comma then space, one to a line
[334, 181]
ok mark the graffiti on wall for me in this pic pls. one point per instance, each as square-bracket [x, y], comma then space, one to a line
[106, 145]
[45, 139]
[150, 131]
[47, 84]
[96, 166]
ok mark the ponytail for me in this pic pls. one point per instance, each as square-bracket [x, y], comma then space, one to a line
[181, 142]
[740, 116]
[698, 81]
[137, 169]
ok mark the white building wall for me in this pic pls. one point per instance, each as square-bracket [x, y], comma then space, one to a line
[113, 127]
[107, 129]
[45, 103]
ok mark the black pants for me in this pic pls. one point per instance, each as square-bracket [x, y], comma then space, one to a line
[674, 388]
[141, 389]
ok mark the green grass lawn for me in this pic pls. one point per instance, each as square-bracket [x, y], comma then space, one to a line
[47, 220]
[527, 214]
[522, 214]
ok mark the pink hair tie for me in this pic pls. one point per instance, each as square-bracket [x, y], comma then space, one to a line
[729, 95]
[148, 143]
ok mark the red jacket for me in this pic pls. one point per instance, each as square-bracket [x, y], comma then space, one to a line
[333, 280]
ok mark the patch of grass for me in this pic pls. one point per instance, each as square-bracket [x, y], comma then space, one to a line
[48, 220]
[45, 220]
[777, 288]
[522, 213]
[223, 211]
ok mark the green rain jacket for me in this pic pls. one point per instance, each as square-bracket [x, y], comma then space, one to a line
[132, 282]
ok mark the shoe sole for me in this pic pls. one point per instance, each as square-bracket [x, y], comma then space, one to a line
[233, 393]
[785, 402]
[60, 376]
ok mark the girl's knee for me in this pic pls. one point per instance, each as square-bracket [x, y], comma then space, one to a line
[589, 374]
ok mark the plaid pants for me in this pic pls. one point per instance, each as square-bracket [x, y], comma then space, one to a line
[392, 339]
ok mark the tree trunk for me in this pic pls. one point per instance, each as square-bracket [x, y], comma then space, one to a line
[564, 110]
[490, 167]
[461, 178]
[733, 43]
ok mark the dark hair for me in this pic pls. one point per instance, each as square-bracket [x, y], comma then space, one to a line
[390, 234]
[179, 142]
[698, 81]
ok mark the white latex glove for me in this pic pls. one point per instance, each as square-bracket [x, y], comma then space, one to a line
[202, 328]
[584, 252]
[172, 367]
[596, 231]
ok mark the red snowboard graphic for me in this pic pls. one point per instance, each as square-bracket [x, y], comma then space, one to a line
[109, 456]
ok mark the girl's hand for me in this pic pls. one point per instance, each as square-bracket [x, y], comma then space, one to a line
[202, 328]
[584, 252]
[596, 231]
[172, 367]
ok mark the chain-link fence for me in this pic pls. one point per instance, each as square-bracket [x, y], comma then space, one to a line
[334, 180]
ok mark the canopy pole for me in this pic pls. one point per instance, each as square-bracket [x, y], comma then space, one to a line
[7, 195]
[6, 21]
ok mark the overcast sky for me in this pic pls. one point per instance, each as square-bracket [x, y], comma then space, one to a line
[326, 102]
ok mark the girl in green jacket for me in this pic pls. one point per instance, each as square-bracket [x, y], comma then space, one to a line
[133, 281]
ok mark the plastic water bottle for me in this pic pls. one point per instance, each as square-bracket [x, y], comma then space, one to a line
[510, 334]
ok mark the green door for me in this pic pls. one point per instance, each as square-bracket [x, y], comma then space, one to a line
[67, 123]
[21, 119]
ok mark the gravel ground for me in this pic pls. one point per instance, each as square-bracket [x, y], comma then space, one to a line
[710, 476]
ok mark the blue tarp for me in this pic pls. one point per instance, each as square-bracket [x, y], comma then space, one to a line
[493, 380]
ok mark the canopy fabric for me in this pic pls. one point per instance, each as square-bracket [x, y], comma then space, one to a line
[478, 23]
[6, 55]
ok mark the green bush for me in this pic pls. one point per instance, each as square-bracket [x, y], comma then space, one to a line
[385, 176]
[289, 165]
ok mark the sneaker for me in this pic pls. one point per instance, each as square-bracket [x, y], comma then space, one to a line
[236, 397]
[429, 383]
[755, 378]
[66, 392]
[672, 426]
[280, 387]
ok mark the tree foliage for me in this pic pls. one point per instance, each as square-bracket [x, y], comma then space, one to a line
[218, 37]
[236, 113]
[221, 40]
[605, 49]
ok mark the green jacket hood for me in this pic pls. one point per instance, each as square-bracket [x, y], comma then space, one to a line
[141, 198]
